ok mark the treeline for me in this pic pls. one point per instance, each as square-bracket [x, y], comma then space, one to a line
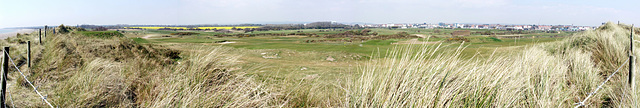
[121, 26]
[354, 36]
[347, 36]
[267, 34]
[314, 25]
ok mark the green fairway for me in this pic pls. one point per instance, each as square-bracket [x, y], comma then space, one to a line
[286, 61]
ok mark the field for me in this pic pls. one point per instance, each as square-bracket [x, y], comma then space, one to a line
[294, 42]
[325, 68]
[156, 28]
[301, 69]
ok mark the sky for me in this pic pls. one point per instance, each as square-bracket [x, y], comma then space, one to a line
[24, 13]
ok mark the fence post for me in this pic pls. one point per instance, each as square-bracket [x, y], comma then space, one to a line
[29, 54]
[40, 36]
[632, 59]
[45, 31]
[5, 69]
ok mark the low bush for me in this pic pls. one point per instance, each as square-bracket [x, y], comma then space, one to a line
[102, 34]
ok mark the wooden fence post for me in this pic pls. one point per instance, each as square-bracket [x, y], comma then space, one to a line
[632, 59]
[29, 54]
[40, 36]
[45, 31]
[5, 69]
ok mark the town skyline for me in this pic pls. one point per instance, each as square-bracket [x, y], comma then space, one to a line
[186, 12]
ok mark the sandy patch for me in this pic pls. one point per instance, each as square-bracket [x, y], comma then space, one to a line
[226, 42]
[10, 34]
[421, 35]
[150, 36]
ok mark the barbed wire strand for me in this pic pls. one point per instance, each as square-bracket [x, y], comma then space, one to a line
[10, 98]
[25, 78]
[600, 86]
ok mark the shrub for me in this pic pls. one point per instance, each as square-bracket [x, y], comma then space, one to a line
[63, 29]
[100, 28]
[185, 33]
[102, 34]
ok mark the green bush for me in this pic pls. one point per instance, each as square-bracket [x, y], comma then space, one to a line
[493, 39]
[102, 34]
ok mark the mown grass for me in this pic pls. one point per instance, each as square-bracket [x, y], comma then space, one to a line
[140, 40]
[308, 80]
[102, 34]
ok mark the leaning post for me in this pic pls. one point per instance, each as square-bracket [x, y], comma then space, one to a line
[632, 59]
[5, 69]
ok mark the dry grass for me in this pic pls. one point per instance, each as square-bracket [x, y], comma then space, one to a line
[80, 71]
[549, 75]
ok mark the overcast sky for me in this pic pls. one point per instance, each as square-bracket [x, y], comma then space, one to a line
[20, 13]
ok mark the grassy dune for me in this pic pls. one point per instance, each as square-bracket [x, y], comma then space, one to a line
[110, 71]
[547, 75]
[105, 69]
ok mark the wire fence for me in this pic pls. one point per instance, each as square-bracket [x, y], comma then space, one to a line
[582, 103]
[25, 78]
[10, 98]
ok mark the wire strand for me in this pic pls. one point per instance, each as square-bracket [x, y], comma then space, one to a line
[581, 103]
[10, 98]
[25, 78]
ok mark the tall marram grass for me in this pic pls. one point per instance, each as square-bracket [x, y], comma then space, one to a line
[547, 75]
[81, 71]
[203, 81]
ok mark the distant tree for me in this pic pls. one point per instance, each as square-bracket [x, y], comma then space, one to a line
[247, 30]
[357, 26]
[486, 32]
[234, 28]
[100, 28]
